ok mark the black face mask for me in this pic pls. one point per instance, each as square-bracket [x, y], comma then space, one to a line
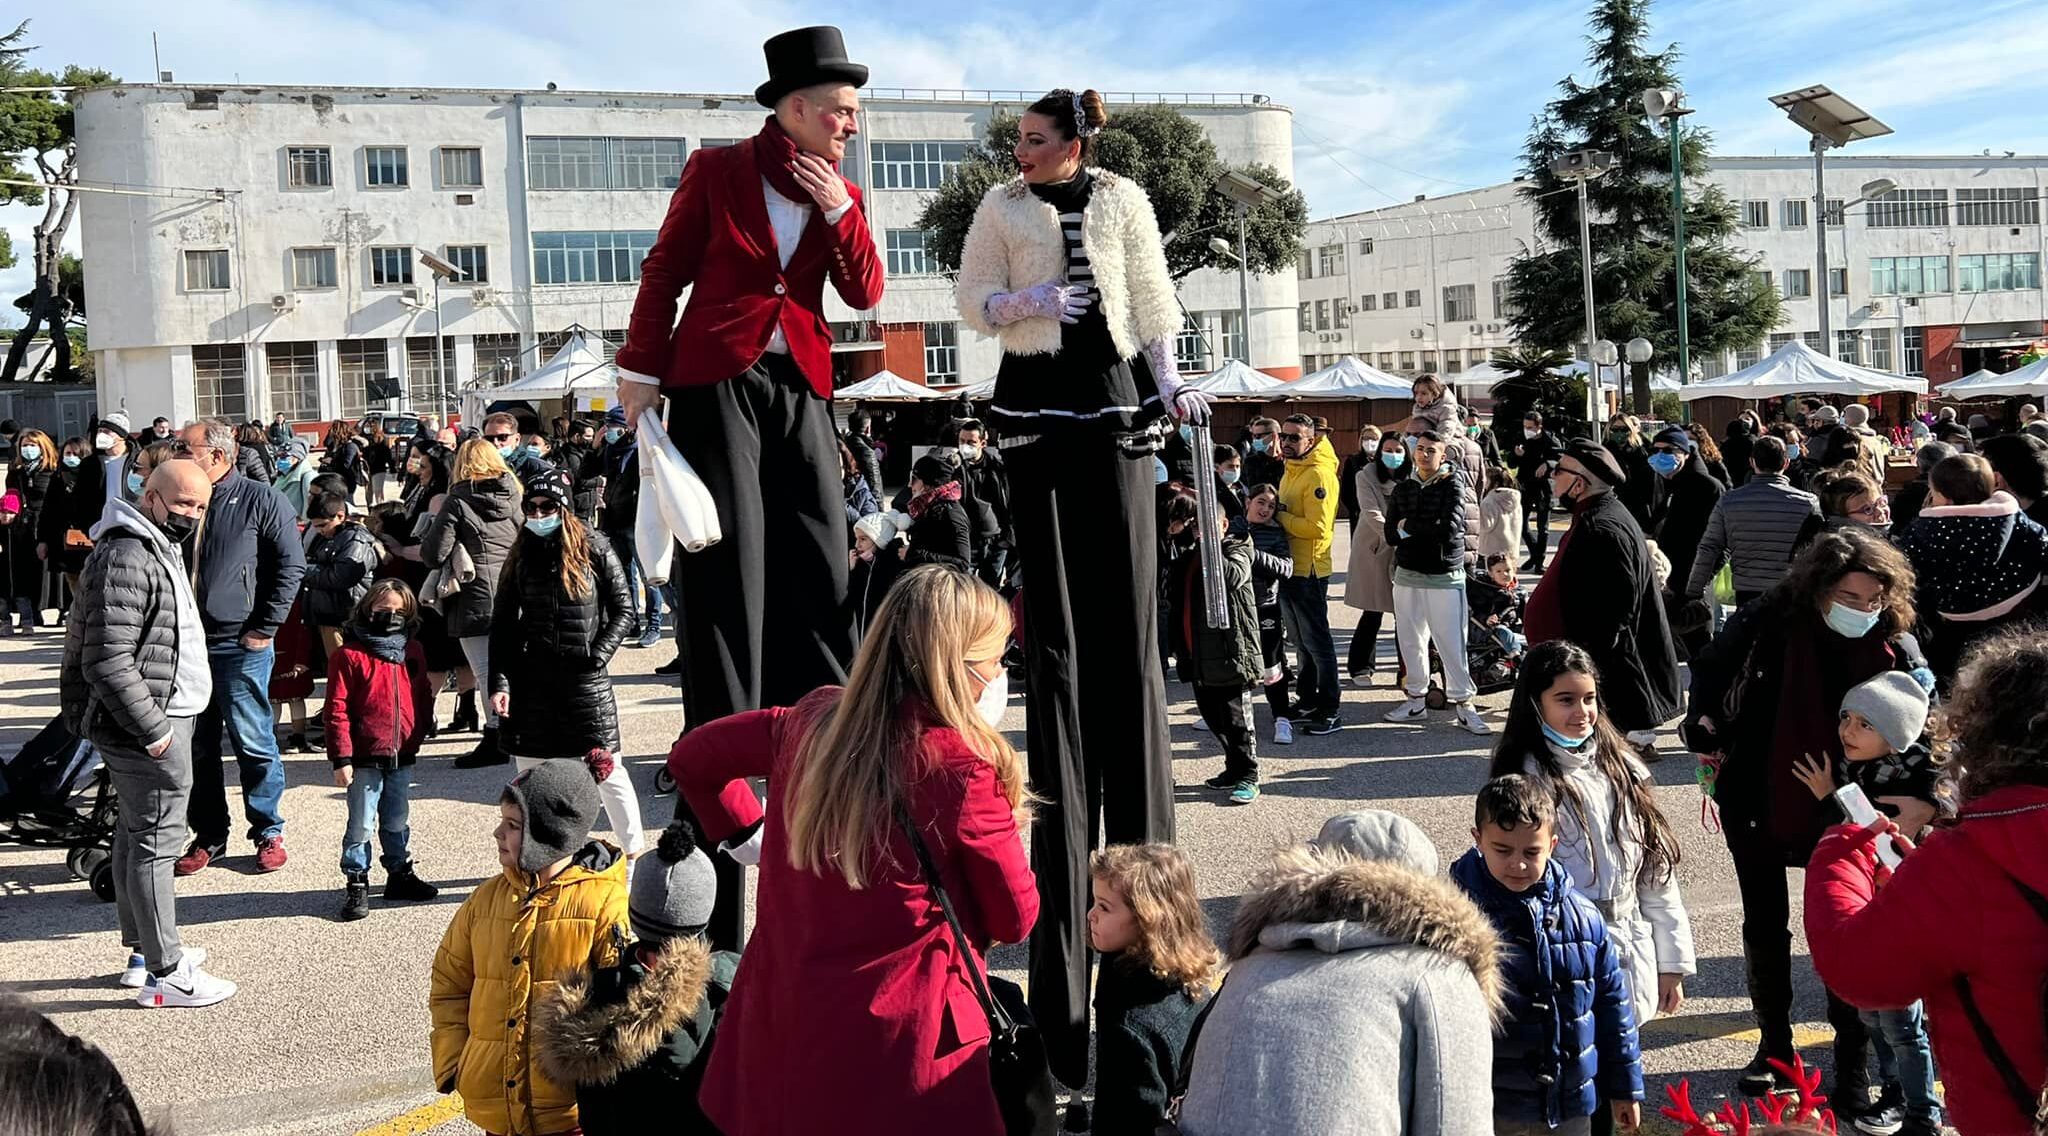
[386, 622]
[178, 527]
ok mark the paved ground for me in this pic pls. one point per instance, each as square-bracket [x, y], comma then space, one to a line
[329, 1033]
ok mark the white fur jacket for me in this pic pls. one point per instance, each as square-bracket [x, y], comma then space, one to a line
[1015, 243]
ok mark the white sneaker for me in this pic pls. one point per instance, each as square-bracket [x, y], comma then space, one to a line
[1469, 721]
[1283, 732]
[186, 986]
[137, 973]
[1413, 710]
[1200, 724]
[1642, 737]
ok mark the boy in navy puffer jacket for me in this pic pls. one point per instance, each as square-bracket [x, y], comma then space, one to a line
[1569, 1041]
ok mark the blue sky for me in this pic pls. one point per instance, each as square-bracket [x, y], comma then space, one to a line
[1392, 98]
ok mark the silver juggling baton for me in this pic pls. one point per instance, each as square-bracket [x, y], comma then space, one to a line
[1215, 589]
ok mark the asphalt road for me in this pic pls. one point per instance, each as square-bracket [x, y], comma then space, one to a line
[329, 1032]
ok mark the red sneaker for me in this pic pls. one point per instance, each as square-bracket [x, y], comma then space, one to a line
[270, 854]
[197, 858]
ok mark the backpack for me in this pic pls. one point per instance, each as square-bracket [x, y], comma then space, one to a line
[2027, 1098]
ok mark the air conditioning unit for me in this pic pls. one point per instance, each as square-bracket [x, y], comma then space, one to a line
[281, 303]
[1492, 328]
[1415, 333]
[482, 297]
[1877, 307]
[411, 297]
[1476, 328]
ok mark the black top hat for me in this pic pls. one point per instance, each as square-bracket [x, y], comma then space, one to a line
[804, 58]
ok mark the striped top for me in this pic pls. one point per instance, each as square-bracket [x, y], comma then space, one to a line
[1079, 272]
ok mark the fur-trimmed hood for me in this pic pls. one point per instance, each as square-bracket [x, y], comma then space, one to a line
[1332, 902]
[581, 1043]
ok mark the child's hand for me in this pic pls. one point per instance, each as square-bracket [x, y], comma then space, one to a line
[1670, 993]
[1815, 775]
[1628, 1115]
[1911, 813]
[501, 704]
[343, 774]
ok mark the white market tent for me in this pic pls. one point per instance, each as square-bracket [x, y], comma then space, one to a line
[1235, 378]
[888, 386]
[1659, 381]
[986, 388]
[2028, 381]
[1347, 378]
[577, 371]
[1798, 369]
[1480, 375]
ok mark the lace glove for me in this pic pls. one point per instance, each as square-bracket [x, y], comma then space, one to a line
[1187, 403]
[1064, 302]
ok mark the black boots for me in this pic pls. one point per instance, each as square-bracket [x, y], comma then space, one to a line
[485, 754]
[355, 903]
[465, 720]
[404, 884]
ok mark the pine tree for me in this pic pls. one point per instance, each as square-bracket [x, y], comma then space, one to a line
[1728, 305]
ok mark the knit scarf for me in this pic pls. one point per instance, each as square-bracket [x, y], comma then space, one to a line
[1819, 670]
[950, 491]
[774, 152]
[390, 648]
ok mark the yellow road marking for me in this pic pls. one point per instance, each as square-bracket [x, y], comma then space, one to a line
[426, 1118]
[1728, 1027]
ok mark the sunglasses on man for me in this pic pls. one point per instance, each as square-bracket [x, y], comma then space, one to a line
[499, 437]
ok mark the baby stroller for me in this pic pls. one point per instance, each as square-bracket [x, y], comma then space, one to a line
[54, 793]
[1492, 666]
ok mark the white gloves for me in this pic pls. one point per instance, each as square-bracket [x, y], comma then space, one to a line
[1064, 302]
[1188, 404]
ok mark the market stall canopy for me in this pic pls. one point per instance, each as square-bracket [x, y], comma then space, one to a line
[1347, 378]
[2028, 381]
[1235, 378]
[1659, 381]
[986, 388]
[1798, 369]
[888, 386]
[577, 371]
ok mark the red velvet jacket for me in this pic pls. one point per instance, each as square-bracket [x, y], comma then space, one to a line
[851, 1012]
[1951, 909]
[717, 242]
[377, 712]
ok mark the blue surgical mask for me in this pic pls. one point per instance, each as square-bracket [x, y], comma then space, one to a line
[612, 435]
[1158, 472]
[1665, 464]
[71, 461]
[31, 453]
[508, 449]
[1260, 445]
[1230, 476]
[284, 465]
[1565, 741]
[134, 483]
[1851, 623]
[1187, 433]
[1393, 461]
[530, 451]
[1792, 451]
[544, 526]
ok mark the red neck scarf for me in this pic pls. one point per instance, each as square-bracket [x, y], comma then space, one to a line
[774, 151]
[950, 491]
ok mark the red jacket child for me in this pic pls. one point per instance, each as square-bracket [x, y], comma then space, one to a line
[1952, 909]
[851, 1012]
[378, 704]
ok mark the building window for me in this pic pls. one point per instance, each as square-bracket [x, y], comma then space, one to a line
[1907, 209]
[1838, 281]
[391, 266]
[1475, 356]
[294, 371]
[1368, 302]
[1412, 298]
[309, 167]
[1389, 301]
[1912, 351]
[598, 257]
[1998, 272]
[1713, 365]
[1308, 316]
[1429, 361]
[1322, 315]
[1190, 353]
[1792, 212]
[1849, 346]
[1329, 260]
[2008, 206]
[1908, 275]
[462, 167]
[206, 270]
[1780, 339]
[497, 356]
[604, 163]
[1748, 356]
[360, 361]
[313, 269]
[1365, 248]
[1756, 214]
[1407, 360]
[422, 384]
[1461, 303]
[1880, 348]
[1230, 336]
[941, 353]
[472, 263]
[384, 167]
[1304, 268]
[220, 381]
[1798, 283]
[1764, 280]
[906, 252]
[1836, 215]
[917, 165]
[716, 143]
[1340, 311]
[1386, 361]
[1503, 301]
[1812, 339]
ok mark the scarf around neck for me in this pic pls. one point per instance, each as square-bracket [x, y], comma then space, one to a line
[950, 491]
[774, 151]
[1070, 196]
[390, 648]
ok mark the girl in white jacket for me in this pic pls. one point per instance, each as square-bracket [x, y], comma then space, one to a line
[1612, 838]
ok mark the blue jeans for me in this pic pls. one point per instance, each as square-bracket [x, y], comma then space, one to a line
[240, 710]
[647, 599]
[1903, 1056]
[1305, 601]
[384, 796]
[1509, 639]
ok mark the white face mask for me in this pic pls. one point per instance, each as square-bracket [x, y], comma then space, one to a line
[994, 700]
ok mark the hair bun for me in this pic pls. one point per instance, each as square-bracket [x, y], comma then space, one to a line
[1092, 107]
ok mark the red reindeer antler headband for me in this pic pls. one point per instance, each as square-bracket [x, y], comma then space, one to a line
[1802, 1105]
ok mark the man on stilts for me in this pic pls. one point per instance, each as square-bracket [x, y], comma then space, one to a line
[754, 231]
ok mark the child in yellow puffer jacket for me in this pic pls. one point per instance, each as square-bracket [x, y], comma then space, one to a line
[559, 906]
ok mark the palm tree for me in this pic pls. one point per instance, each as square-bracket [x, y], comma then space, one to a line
[1534, 384]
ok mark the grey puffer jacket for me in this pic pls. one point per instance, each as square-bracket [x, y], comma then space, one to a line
[339, 570]
[483, 517]
[134, 621]
[1756, 528]
[1384, 972]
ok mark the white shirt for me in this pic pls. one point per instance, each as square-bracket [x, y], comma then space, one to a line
[788, 219]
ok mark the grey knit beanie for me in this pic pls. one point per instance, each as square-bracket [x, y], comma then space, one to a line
[558, 799]
[1375, 834]
[673, 889]
[1894, 705]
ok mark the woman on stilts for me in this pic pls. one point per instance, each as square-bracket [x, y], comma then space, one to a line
[1065, 265]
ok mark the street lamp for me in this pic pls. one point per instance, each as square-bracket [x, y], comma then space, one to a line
[1833, 121]
[1249, 193]
[1639, 352]
[1668, 104]
[442, 270]
[1580, 167]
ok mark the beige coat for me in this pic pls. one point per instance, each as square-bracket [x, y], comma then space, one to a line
[1500, 525]
[1369, 581]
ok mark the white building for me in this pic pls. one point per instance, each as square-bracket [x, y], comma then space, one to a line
[262, 256]
[1936, 278]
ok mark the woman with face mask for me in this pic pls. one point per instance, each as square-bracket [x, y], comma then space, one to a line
[1766, 693]
[1369, 582]
[561, 613]
[70, 510]
[29, 478]
[912, 744]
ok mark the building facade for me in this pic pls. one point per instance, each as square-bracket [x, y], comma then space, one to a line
[266, 250]
[1938, 277]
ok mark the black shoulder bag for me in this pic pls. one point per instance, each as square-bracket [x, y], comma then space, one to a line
[1018, 1070]
[2025, 1097]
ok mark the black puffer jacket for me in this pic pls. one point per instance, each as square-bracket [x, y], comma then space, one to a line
[549, 650]
[483, 517]
[121, 648]
[256, 464]
[1683, 512]
[1426, 524]
[941, 536]
[1272, 558]
[339, 570]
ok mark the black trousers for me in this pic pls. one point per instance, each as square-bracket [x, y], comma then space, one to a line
[1229, 717]
[1273, 652]
[1761, 876]
[1095, 716]
[1536, 527]
[1365, 643]
[764, 444]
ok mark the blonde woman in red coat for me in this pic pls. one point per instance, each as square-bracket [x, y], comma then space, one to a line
[852, 1011]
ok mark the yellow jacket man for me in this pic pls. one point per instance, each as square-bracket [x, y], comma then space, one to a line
[1308, 511]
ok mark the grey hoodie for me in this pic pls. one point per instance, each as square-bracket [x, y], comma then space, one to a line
[1360, 1001]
